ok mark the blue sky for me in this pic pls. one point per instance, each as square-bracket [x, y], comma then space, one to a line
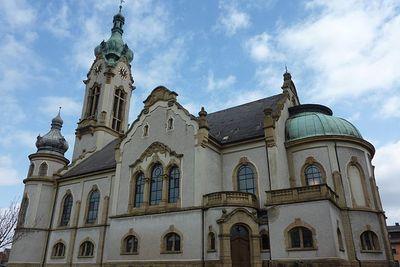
[343, 54]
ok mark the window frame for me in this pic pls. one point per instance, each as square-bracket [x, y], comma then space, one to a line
[264, 234]
[43, 169]
[89, 219]
[62, 223]
[142, 187]
[238, 180]
[212, 242]
[83, 248]
[135, 248]
[373, 239]
[157, 182]
[311, 161]
[173, 249]
[92, 104]
[56, 249]
[118, 111]
[172, 185]
[301, 231]
[23, 211]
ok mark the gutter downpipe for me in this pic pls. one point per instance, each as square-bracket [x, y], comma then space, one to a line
[50, 225]
[351, 228]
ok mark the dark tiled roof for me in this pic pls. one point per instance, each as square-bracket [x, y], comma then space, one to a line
[103, 159]
[238, 123]
[393, 228]
[241, 122]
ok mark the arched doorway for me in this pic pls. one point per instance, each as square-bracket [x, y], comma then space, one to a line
[240, 246]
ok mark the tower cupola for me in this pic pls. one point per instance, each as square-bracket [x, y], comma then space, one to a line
[53, 141]
[114, 48]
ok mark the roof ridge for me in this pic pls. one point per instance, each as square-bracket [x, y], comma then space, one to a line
[251, 102]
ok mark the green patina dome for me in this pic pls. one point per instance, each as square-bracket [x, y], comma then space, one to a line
[114, 48]
[316, 120]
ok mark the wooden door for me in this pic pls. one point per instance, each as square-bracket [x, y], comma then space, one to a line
[240, 246]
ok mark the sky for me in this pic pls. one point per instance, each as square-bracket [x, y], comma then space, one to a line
[217, 54]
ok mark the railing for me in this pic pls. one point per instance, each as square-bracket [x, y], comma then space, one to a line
[301, 194]
[230, 198]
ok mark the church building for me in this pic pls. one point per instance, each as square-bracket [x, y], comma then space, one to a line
[268, 183]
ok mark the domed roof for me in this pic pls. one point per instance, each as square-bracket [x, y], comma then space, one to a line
[114, 48]
[53, 141]
[316, 120]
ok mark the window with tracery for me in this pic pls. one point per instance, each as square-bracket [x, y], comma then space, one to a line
[23, 210]
[313, 175]
[156, 184]
[93, 206]
[301, 237]
[93, 101]
[369, 241]
[139, 189]
[131, 244]
[43, 168]
[246, 179]
[174, 180]
[58, 250]
[118, 109]
[66, 210]
[172, 242]
[86, 249]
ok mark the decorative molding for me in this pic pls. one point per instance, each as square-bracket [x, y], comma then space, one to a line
[160, 93]
[154, 148]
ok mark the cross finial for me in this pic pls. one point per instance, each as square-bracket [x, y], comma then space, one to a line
[120, 5]
[59, 110]
[286, 69]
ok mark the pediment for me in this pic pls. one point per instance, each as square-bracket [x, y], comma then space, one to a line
[156, 148]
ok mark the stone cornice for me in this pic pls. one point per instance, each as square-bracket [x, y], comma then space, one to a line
[55, 157]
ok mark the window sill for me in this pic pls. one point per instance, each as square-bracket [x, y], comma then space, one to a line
[129, 253]
[57, 257]
[265, 250]
[211, 250]
[85, 257]
[171, 252]
[301, 249]
[371, 251]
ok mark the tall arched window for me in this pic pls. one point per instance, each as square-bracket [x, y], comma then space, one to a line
[173, 190]
[265, 241]
[86, 249]
[23, 210]
[301, 237]
[170, 124]
[156, 184]
[172, 242]
[31, 169]
[131, 244]
[245, 179]
[211, 241]
[66, 210]
[93, 206]
[58, 250]
[93, 101]
[139, 189]
[340, 239]
[313, 175]
[43, 168]
[369, 241]
[118, 109]
[356, 184]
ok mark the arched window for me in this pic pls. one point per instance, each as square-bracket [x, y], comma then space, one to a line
[31, 169]
[172, 242]
[369, 241]
[118, 109]
[170, 124]
[313, 175]
[131, 244]
[139, 189]
[146, 130]
[301, 237]
[245, 179]
[357, 185]
[58, 250]
[211, 241]
[93, 206]
[66, 210]
[23, 210]
[264, 241]
[156, 184]
[173, 190]
[86, 249]
[340, 239]
[93, 101]
[43, 168]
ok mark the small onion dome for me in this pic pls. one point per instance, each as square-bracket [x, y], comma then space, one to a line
[114, 48]
[53, 141]
[316, 120]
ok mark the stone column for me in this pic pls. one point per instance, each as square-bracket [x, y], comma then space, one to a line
[164, 199]
[146, 195]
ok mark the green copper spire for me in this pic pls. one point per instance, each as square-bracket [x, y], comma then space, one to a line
[114, 48]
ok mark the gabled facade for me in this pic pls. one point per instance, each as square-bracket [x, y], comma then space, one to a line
[267, 183]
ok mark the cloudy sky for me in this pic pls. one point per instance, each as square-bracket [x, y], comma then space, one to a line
[343, 54]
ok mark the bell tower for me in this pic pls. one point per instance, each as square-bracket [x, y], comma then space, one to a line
[109, 86]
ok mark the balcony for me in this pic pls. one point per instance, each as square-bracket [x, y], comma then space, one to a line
[230, 198]
[301, 194]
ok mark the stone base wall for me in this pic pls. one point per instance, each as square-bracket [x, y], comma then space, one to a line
[328, 263]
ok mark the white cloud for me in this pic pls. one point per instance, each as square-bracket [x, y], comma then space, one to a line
[352, 46]
[387, 162]
[8, 174]
[59, 22]
[69, 106]
[390, 107]
[219, 84]
[259, 47]
[231, 19]
[17, 13]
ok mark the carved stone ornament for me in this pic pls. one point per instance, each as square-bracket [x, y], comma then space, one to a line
[155, 148]
[244, 160]
[160, 93]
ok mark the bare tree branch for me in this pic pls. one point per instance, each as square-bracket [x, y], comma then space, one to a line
[8, 221]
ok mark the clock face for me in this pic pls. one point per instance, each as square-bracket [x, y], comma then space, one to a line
[97, 69]
[123, 72]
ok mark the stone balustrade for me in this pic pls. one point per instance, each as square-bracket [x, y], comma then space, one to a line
[301, 194]
[230, 198]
